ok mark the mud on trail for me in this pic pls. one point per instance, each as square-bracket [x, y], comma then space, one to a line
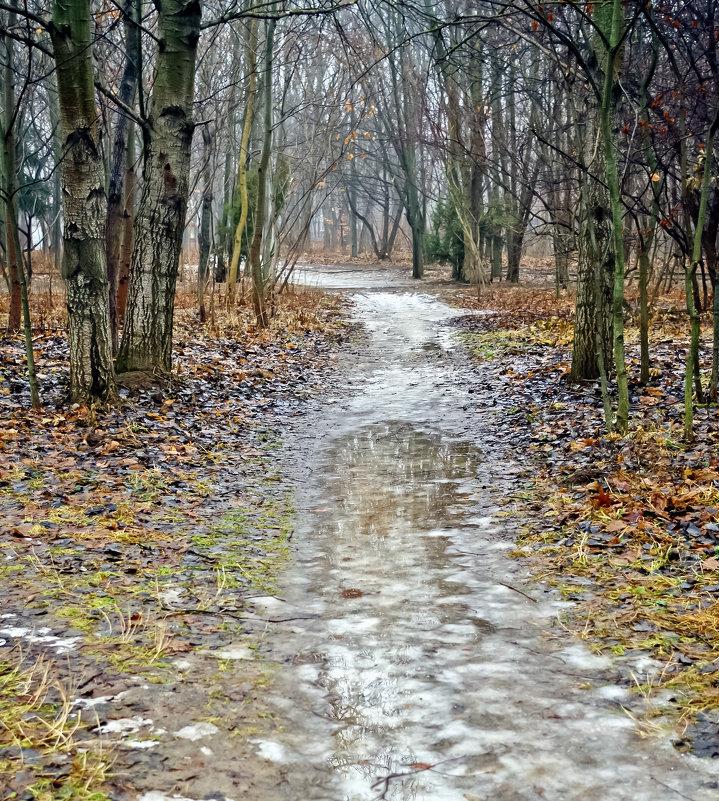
[423, 666]
[388, 647]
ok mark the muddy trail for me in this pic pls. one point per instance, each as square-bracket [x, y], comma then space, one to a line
[417, 662]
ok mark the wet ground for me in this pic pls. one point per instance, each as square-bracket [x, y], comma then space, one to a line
[425, 666]
[405, 656]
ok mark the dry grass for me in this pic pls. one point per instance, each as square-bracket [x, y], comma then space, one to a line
[37, 714]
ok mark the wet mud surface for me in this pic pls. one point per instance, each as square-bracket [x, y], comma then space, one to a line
[423, 666]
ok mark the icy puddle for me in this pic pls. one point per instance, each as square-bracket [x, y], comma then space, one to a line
[422, 672]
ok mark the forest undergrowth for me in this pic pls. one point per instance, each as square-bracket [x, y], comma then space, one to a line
[135, 535]
[625, 528]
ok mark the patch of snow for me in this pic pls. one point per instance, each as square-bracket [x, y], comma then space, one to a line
[125, 725]
[15, 631]
[268, 602]
[158, 795]
[196, 731]
[612, 692]
[182, 664]
[60, 645]
[579, 656]
[171, 595]
[140, 744]
[206, 751]
[235, 652]
[275, 752]
[88, 703]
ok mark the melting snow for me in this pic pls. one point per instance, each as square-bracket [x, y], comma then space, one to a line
[196, 731]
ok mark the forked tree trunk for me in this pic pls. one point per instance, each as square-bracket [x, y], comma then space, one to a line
[92, 377]
[160, 221]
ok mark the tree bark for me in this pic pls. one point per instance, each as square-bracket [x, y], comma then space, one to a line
[595, 252]
[118, 168]
[9, 189]
[92, 377]
[615, 29]
[205, 222]
[160, 221]
[258, 279]
[240, 231]
[128, 216]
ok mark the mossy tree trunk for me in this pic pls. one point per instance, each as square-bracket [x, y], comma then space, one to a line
[593, 320]
[240, 232]
[613, 31]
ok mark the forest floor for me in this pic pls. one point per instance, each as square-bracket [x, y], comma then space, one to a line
[188, 611]
[133, 537]
[626, 528]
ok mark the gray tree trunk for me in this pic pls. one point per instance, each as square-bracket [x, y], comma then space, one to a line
[595, 253]
[205, 223]
[160, 221]
[92, 377]
[118, 165]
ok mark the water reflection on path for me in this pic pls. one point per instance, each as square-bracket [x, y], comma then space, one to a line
[420, 674]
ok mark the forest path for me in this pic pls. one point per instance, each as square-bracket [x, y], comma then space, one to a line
[414, 671]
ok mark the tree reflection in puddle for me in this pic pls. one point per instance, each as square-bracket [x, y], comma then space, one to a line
[390, 496]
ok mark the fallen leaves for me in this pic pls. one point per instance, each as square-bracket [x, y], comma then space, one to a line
[138, 532]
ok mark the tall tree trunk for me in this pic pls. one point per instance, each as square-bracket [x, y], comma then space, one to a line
[92, 377]
[128, 216]
[160, 222]
[514, 253]
[10, 186]
[615, 29]
[240, 231]
[595, 251]
[54, 110]
[258, 278]
[692, 367]
[8, 174]
[352, 205]
[118, 164]
[205, 222]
